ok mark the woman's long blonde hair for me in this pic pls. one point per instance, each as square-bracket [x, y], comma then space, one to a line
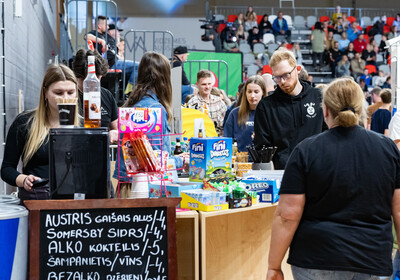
[40, 123]
[244, 109]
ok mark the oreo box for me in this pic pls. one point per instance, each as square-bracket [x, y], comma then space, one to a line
[267, 189]
[209, 158]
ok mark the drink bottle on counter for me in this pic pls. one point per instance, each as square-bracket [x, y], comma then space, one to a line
[178, 148]
[91, 97]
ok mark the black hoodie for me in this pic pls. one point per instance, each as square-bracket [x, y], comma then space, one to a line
[284, 121]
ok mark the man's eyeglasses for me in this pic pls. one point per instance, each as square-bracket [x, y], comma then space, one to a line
[285, 76]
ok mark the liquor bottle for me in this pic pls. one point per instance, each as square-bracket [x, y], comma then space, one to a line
[178, 148]
[200, 134]
[91, 97]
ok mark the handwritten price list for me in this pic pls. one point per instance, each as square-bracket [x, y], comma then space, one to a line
[104, 244]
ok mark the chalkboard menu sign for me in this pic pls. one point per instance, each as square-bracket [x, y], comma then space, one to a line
[104, 243]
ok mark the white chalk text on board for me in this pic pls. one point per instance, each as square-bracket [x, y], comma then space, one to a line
[110, 244]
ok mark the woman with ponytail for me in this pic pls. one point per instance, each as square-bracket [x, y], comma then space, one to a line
[338, 194]
[28, 136]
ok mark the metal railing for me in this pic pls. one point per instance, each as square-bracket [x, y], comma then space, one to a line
[305, 11]
[66, 50]
[209, 64]
[137, 42]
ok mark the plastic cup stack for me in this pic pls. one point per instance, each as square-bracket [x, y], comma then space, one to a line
[140, 186]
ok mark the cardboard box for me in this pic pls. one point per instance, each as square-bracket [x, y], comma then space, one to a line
[191, 203]
[268, 190]
[210, 157]
[173, 189]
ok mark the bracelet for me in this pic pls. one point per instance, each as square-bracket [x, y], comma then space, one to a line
[23, 182]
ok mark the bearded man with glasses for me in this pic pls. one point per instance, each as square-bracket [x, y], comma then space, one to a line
[292, 113]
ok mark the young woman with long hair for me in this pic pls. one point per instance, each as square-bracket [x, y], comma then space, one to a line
[28, 135]
[240, 122]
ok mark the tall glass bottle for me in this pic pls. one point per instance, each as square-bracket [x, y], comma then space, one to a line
[91, 97]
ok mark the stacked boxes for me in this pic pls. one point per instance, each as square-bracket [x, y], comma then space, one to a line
[210, 157]
[267, 189]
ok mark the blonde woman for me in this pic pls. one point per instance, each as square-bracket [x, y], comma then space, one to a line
[28, 135]
[240, 122]
[337, 197]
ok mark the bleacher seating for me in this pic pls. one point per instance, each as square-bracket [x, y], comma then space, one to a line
[324, 18]
[232, 18]
[271, 18]
[289, 21]
[259, 18]
[371, 69]
[259, 48]
[267, 69]
[248, 59]
[366, 38]
[379, 59]
[390, 20]
[268, 38]
[244, 47]
[299, 22]
[375, 19]
[272, 48]
[365, 21]
[252, 70]
[311, 20]
[351, 19]
[218, 17]
[378, 38]
[337, 37]
[385, 68]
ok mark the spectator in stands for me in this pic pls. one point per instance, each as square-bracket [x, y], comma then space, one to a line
[381, 118]
[377, 28]
[343, 67]
[240, 123]
[28, 136]
[297, 53]
[280, 27]
[205, 101]
[353, 32]
[350, 52]
[327, 29]
[303, 75]
[291, 114]
[336, 15]
[114, 32]
[366, 77]
[357, 65]
[329, 41]
[337, 196]
[250, 23]
[221, 93]
[339, 27]
[335, 57]
[360, 44]
[380, 79]
[369, 55]
[230, 44]
[317, 41]
[397, 22]
[109, 109]
[121, 49]
[363, 86]
[346, 22]
[382, 47]
[249, 12]
[265, 26]
[107, 43]
[393, 32]
[343, 42]
[241, 35]
[239, 21]
[254, 37]
[387, 84]
[180, 57]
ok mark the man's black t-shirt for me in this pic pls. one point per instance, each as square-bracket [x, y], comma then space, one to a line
[346, 223]
[111, 47]
[109, 108]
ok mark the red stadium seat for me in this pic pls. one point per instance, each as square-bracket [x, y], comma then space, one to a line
[323, 19]
[259, 18]
[351, 19]
[371, 68]
[390, 20]
[232, 18]
[267, 69]
[386, 29]
[359, 27]
[289, 46]
[366, 38]
[313, 27]
[369, 28]
[221, 27]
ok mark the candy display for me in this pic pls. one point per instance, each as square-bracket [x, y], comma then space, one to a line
[210, 157]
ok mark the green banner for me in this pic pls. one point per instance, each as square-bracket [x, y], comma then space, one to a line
[228, 72]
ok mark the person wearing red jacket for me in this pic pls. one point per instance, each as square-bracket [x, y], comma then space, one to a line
[360, 44]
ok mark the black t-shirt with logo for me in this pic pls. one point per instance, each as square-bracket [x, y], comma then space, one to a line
[346, 223]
